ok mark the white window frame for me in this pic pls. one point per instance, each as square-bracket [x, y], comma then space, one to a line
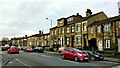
[62, 30]
[68, 41]
[72, 29]
[78, 28]
[99, 29]
[78, 40]
[52, 32]
[108, 43]
[68, 30]
[70, 19]
[92, 30]
[107, 27]
[84, 26]
[45, 37]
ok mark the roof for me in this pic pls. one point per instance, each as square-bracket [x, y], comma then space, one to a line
[85, 18]
[111, 19]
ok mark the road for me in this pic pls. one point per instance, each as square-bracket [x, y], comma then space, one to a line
[34, 60]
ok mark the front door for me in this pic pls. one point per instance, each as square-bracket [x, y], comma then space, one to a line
[100, 45]
[72, 43]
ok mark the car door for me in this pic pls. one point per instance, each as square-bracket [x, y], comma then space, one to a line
[66, 52]
[71, 53]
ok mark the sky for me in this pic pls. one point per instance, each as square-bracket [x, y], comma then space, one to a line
[26, 17]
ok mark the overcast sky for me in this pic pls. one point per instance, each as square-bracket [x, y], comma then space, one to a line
[27, 17]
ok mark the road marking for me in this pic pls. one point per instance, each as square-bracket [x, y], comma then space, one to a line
[33, 53]
[23, 63]
[108, 62]
[68, 61]
[46, 56]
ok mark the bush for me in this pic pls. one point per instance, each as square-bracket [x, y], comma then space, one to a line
[51, 49]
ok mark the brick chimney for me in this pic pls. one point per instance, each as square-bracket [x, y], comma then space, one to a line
[88, 13]
[40, 32]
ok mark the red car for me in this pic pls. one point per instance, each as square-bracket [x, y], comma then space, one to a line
[74, 54]
[13, 50]
[28, 49]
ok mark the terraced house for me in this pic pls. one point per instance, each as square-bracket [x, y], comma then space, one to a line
[38, 39]
[63, 33]
[82, 31]
[73, 30]
[104, 33]
[19, 41]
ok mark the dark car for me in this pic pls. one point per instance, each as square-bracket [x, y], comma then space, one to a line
[39, 49]
[28, 49]
[94, 55]
[74, 54]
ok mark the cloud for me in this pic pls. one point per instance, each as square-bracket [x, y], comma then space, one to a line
[20, 17]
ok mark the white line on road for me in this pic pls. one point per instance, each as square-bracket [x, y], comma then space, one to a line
[68, 61]
[23, 63]
[46, 56]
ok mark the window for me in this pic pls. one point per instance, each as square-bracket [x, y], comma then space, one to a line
[68, 30]
[99, 29]
[78, 27]
[119, 25]
[107, 27]
[84, 26]
[67, 49]
[70, 19]
[108, 43]
[72, 28]
[62, 30]
[58, 31]
[45, 37]
[92, 30]
[78, 40]
[68, 40]
[52, 32]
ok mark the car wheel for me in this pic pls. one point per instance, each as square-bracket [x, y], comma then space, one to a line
[37, 51]
[8, 52]
[75, 59]
[62, 56]
[92, 58]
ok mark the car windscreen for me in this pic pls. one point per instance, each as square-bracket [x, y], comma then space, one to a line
[14, 47]
[77, 50]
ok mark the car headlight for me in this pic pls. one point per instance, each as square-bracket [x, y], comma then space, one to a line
[96, 56]
[79, 54]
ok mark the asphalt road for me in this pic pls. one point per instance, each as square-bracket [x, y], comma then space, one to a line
[47, 60]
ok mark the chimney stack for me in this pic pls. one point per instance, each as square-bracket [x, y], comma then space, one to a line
[88, 13]
[40, 32]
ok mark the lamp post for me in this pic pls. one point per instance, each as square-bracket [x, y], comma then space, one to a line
[51, 35]
[50, 20]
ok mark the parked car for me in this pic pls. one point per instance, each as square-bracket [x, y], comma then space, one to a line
[28, 49]
[74, 54]
[19, 47]
[61, 49]
[23, 47]
[94, 55]
[3, 48]
[13, 50]
[39, 49]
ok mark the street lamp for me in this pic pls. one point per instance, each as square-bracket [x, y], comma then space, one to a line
[51, 27]
[50, 20]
